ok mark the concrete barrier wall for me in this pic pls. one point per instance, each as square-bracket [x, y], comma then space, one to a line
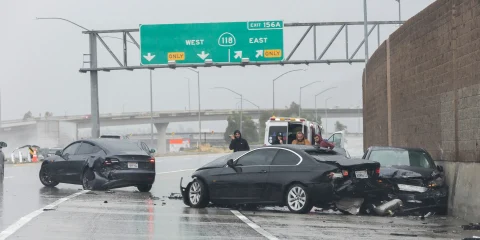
[423, 90]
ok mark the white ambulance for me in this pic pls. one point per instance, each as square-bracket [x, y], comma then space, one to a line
[288, 128]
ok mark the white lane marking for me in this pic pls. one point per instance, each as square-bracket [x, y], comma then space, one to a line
[183, 170]
[254, 225]
[8, 177]
[25, 219]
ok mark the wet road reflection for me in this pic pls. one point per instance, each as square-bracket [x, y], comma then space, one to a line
[128, 214]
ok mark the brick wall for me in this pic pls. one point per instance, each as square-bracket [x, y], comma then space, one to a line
[434, 74]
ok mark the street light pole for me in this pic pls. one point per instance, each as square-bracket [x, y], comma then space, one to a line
[151, 110]
[199, 108]
[189, 109]
[399, 10]
[94, 100]
[316, 112]
[273, 82]
[241, 104]
[300, 102]
[326, 115]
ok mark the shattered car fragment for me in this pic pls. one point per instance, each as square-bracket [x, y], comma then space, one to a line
[299, 177]
[417, 181]
[101, 164]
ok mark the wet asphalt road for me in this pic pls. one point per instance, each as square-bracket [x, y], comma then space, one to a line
[128, 214]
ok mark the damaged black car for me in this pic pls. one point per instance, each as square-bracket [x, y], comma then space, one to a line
[299, 177]
[100, 164]
[417, 181]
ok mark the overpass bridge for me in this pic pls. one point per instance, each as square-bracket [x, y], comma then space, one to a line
[60, 130]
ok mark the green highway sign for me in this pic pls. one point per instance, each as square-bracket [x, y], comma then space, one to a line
[220, 42]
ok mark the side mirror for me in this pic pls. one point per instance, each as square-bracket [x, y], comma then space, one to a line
[3, 145]
[230, 163]
[440, 168]
[152, 151]
[58, 153]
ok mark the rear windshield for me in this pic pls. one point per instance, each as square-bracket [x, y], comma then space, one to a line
[124, 146]
[401, 157]
[322, 154]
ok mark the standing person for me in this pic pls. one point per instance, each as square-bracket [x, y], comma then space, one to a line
[238, 143]
[319, 141]
[301, 140]
[278, 140]
[2, 164]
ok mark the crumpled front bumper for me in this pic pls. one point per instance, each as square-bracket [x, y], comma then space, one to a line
[431, 200]
[184, 191]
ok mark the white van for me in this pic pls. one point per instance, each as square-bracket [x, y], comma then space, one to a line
[288, 127]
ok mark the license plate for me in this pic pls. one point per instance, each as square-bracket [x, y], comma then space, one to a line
[361, 174]
[132, 165]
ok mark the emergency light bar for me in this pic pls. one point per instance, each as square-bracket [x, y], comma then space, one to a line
[287, 119]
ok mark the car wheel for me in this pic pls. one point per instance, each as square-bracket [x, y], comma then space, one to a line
[46, 177]
[144, 188]
[197, 194]
[298, 200]
[87, 179]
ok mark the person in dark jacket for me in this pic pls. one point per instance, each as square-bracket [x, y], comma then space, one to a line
[278, 140]
[238, 143]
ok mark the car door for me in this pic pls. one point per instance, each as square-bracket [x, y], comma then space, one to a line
[282, 171]
[247, 182]
[75, 164]
[60, 165]
[338, 138]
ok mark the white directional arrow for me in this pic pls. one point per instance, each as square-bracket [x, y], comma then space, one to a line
[149, 57]
[203, 55]
[238, 54]
[259, 53]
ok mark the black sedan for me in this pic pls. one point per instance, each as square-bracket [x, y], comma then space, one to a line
[299, 177]
[101, 164]
[420, 184]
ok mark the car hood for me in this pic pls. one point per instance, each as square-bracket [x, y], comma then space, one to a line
[222, 161]
[407, 172]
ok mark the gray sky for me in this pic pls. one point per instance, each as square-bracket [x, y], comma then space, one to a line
[40, 59]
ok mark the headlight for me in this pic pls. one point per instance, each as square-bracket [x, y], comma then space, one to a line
[411, 188]
[437, 182]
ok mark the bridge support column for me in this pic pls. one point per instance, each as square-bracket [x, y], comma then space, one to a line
[161, 137]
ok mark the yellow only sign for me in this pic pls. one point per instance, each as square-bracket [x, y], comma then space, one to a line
[272, 53]
[176, 56]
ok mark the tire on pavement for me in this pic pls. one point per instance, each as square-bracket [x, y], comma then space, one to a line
[45, 177]
[88, 177]
[198, 194]
[144, 187]
[298, 200]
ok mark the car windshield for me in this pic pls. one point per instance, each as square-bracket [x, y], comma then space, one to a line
[401, 157]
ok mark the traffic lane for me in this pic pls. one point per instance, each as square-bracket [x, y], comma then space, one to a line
[167, 164]
[128, 214]
[328, 225]
[22, 193]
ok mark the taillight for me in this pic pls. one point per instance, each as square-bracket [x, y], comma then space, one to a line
[345, 173]
[377, 171]
[110, 161]
[152, 160]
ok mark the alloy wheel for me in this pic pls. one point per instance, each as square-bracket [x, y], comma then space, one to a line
[297, 198]
[195, 193]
